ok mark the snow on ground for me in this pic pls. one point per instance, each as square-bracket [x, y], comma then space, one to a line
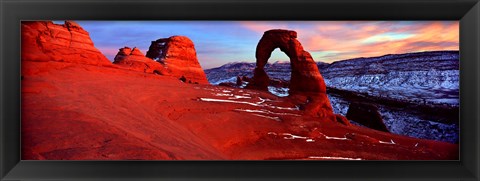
[266, 112]
[239, 97]
[422, 87]
[289, 136]
[246, 98]
[231, 79]
[278, 91]
[405, 123]
[257, 104]
[333, 138]
[414, 87]
[391, 142]
[333, 158]
[415, 126]
[268, 117]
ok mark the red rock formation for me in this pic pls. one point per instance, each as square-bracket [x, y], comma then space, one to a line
[239, 81]
[134, 59]
[45, 41]
[305, 78]
[305, 75]
[122, 54]
[137, 52]
[367, 115]
[178, 55]
[342, 119]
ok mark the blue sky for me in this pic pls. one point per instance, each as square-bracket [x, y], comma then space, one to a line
[220, 42]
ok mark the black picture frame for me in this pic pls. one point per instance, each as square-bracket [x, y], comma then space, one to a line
[466, 11]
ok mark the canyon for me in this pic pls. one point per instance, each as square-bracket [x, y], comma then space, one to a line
[416, 93]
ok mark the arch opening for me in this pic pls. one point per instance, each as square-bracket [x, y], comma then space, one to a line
[279, 72]
[306, 83]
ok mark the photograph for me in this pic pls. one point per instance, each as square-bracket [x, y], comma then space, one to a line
[240, 90]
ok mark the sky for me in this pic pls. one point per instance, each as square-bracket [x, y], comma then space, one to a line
[221, 42]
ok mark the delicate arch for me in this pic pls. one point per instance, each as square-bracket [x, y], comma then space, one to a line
[305, 75]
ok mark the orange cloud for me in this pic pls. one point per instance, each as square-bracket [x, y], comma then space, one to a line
[351, 39]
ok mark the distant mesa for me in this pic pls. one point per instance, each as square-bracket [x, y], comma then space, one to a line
[45, 41]
[178, 56]
[366, 114]
[134, 59]
[306, 82]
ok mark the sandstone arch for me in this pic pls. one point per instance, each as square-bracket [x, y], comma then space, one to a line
[307, 86]
[305, 77]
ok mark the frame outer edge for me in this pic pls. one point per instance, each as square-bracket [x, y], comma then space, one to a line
[477, 170]
[7, 162]
[2, 120]
[471, 57]
[476, 165]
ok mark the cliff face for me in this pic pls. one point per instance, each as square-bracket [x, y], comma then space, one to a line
[45, 41]
[421, 78]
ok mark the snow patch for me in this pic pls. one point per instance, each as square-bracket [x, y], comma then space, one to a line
[257, 104]
[278, 91]
[333, 158]
[231, 79]
[269, 117]
[228, 101]
[221, 94]
[388, 143]
[265, 112]
[289, 136]
[239, 97]
[332, 137]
